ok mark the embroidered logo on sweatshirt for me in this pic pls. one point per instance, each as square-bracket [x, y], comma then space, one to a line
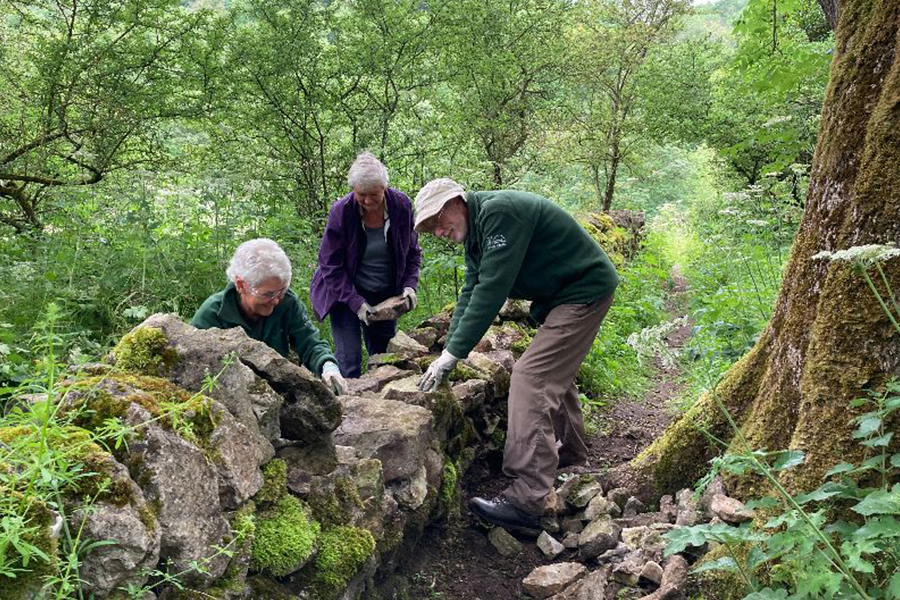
[494, 242]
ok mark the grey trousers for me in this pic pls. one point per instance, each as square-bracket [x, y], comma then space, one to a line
[545, 427]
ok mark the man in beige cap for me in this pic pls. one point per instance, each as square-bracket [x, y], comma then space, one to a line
[521, 245]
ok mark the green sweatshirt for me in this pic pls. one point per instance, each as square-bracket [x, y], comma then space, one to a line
[521, 245]
[287, 327]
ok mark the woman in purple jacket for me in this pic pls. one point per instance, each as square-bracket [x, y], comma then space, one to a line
[369, 253]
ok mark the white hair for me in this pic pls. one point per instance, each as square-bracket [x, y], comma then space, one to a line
[256, 260]
[367, 173]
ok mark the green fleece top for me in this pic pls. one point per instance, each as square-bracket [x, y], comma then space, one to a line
[287, 327]
[521, 245]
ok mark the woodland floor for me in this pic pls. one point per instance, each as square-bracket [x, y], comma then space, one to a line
[457, 562]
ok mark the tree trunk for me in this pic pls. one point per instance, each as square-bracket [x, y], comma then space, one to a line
[831, 8]
[611, 173]
[828, 341]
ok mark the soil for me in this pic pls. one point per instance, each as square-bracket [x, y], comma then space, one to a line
[457, 562]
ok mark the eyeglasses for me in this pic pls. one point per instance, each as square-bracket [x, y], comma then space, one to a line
[269, 296]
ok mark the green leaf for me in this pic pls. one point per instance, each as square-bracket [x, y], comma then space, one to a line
[788, 459]
[895, 460]
[868, 424]
[726, 563]
[843, 467]
[879, 502]
[878, 528]
[767, 594]
[893, 589]
[882, 440]
[681, 538]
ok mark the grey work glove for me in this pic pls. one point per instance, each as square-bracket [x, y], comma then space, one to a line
[411, 300]
[364, 313]
[437, 372]
[331, 375]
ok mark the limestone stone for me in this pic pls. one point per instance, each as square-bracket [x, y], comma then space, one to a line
[505, 543]
[619, 495]
[426, 336]
[401, 343]
[716, 486]
[389, 310]
[599, 505]
[137, 546]
[410, 493]
[652, 572]
[178, 479]
[578, 491]
[306, 462]
[237, 461]
[633, 506]
[729, 509]
[592, 587]
[574, 524]
[515, 310]
[674, 580]
[395, 433]
[544, 582]
[570, 540]
[628, 572]
[472, 394]
[667, 508]
[636, 538]
[599, 536]
[549, 545]
[687, 509]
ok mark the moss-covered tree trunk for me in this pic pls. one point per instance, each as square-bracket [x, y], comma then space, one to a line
[828, 340]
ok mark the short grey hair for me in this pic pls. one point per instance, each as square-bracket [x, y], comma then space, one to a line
[367, 172]
[256, 260]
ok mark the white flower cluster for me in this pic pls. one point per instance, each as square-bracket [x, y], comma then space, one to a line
[867, 254]
[650, 342]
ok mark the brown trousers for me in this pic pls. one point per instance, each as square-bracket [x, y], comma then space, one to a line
[545, 428]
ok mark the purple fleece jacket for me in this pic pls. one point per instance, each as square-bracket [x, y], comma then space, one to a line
[342, 248]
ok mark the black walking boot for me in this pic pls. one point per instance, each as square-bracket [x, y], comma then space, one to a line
[500, 512]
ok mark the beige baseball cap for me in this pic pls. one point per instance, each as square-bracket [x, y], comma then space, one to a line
[433, 196]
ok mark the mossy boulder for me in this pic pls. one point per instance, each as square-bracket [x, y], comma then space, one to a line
[285, 538]
[145, 351]
[343, 552]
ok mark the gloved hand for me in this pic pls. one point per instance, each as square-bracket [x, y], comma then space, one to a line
[331, 375]
[438, 370]
[364, 313]
[410, 295]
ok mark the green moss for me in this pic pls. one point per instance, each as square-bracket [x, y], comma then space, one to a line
[285, 538]
[463, 372]
[448, 497]
[274, 482]
[92, 401]
[336, 506]
[145, 351]
[74, 448]
[613, 239]
[342, 552]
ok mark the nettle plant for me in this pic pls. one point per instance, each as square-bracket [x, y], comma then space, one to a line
[841, 540]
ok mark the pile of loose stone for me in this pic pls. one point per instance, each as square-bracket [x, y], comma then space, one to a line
[608, 545]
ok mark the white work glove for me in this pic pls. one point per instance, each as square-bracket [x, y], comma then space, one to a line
[410, 295]
[331, 375]
[438, 370]
[364, 313]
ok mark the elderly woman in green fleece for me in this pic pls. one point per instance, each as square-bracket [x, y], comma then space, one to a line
[259, 300]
